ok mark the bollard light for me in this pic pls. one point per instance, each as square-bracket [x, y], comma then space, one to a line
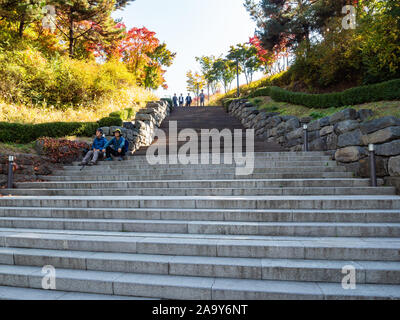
[10, 178]
[371, 148]
[372, 165]
[305, 127]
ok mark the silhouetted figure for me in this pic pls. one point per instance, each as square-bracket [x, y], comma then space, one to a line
[181, 100]
[175, 100]
[189, 100]
[202, 98]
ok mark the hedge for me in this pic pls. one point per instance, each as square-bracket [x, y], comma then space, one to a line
[260, 92]
[389, 90]
[25, 133]
[110, 122]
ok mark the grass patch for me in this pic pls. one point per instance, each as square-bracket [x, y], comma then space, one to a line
[380, 109]
[8, 148]
[29, 148]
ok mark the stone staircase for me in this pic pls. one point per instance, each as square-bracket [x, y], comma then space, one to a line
[130, 230]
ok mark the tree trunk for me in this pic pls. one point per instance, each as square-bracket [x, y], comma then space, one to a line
[21, 26]
[71, 35]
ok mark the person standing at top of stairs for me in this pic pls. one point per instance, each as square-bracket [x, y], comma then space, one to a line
[175, 100]
[181, 100]
[202, 98]
[189, 100]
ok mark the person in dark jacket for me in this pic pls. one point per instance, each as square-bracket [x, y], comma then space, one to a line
[202, 98]
[181, 100]
[115, 147]
[188, 100]
[95, 152]
[175, 100]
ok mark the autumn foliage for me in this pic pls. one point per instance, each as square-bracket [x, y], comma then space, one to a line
[143, 54]
[62, 150]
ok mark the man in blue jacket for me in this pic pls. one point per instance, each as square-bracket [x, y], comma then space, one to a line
[115, 146]
[98, 145]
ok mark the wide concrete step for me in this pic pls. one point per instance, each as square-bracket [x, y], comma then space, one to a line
[277, 191]
[118, 165]
[190, 176]
[28, 294]
[252, 215]
[271, 247]
[258, 158]
[261, 183]
[303, 229]
[367, 272]
[156, 172]
[185, 287]
[208, 202]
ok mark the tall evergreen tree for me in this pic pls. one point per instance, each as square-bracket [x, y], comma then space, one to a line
[21, 12]
[289, 23]
[86, 20]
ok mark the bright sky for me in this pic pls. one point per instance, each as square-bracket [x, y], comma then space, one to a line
[191, 28]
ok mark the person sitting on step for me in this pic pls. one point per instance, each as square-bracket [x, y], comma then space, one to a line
[116, 146]
[95, 152]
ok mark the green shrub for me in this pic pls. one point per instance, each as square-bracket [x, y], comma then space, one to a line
[15, 132]
[25, 133]
[317, 115]
[124, 115]
[389, 90]
[260, 92]
[131, 113]
[109, 122]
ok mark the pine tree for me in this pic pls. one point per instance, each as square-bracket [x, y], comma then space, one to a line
[286, 24]
[86, 20]
[23, 12]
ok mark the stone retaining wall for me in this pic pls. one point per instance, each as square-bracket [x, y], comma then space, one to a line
[140, 132]
[27, 167]
[344, 135]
